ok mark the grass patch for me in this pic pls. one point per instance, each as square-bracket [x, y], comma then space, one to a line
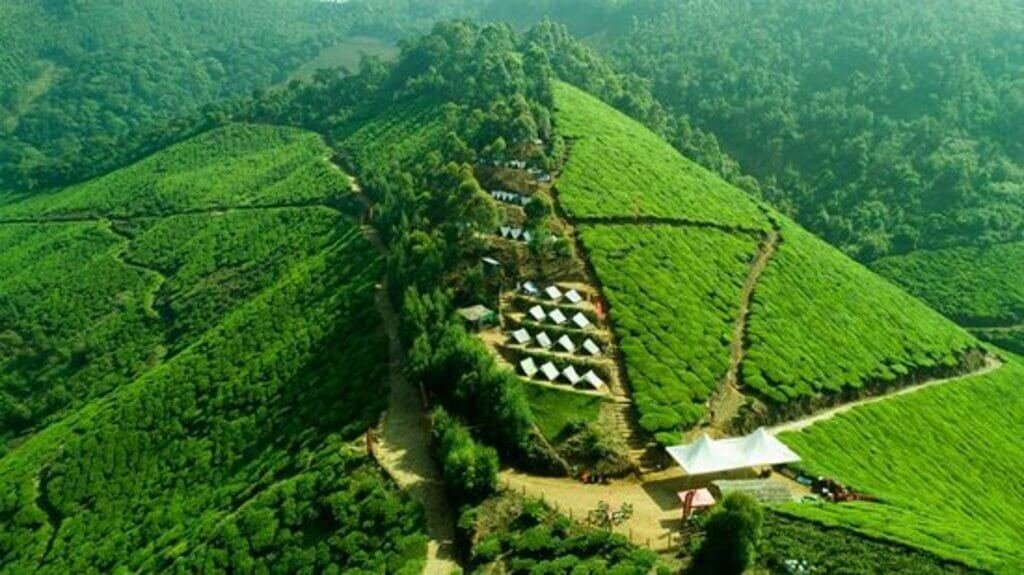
[554, 409]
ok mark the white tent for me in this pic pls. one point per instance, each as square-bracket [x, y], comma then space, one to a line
[527, 237]
[528, 366]
[550, 371]
[590, 347]
[553, 293]
[544, 341]
[581, 321]
[537, 313]
[505, 231]
[530, 288]
[565, 342]
[557, 317]
[593, 380]
[570, 375]
[515, 233]
[521, 336]
[706, 455]
[573, 296]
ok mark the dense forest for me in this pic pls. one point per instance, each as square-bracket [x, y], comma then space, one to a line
[881, 126]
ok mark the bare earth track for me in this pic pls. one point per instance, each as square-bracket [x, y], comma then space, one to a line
[403, 445]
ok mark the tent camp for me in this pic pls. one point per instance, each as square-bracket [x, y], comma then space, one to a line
[521, 336]
[706, 455]
[557, 317]
[528, 366]
[565, 342]
[544, 340]
[550, 371]
[553, 293]
[537, 313]
[573, 296]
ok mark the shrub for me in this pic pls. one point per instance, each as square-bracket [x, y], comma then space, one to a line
[470, 468]
[732, 533]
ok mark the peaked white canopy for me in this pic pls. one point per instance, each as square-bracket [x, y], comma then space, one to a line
[528, 366]
[706, 455]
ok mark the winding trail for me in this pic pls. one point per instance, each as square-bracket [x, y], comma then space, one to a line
[403, 445]
[727, 400]
[992, 363]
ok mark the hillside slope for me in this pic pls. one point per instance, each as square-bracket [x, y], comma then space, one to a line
[225, 438]
[817, 328]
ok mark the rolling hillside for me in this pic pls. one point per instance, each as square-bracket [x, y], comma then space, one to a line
[980, 288]
[802, 344]
[189, 385]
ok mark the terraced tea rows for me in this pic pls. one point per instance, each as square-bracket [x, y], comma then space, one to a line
[674, 294]
[946, 463]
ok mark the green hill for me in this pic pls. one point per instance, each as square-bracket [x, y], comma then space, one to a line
[191, 367]
[945, 463]
[981, 288]
[820, 326]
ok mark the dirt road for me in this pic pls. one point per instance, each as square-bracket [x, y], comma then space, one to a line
[991, 364]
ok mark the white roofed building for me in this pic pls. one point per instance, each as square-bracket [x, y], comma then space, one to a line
[521, 336]
[580, 320]
[570, 375]
[537, 313]
[557, 317]
[566, 343]
[706, 455]
[591, 379]
[553, 293]
[544, 341]
[590, 347]
[549, 371]
[573, 296]
[528, 367]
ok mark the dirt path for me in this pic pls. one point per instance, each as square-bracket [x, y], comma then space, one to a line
[991, 364]
[727, 400]
[656, 510]
[403, 444]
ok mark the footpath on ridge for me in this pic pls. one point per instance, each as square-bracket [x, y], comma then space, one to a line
[403, 443]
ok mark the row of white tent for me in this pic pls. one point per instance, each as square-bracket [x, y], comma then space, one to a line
[511, 197]
[556, 316]
[552, 292]
[551, 373]
[522, 337]
[706, 455]
[516, 234]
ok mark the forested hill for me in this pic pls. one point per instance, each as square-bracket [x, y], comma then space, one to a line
[882, 126]
[79, 76]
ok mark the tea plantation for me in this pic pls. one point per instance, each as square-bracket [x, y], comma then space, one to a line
[616, 168]
[204, 377]
[946, 463]
[674, 295]
[821, 323]
[235, 166]
[818, 323]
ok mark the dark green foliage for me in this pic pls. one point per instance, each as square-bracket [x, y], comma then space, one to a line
[470, 469]
[338, 515]
[222, 440]
[456, 367]
[75, 320]
[731, 535]
[977, 287]
[881, 126]
[674, 295]
[821, 323]
[838, 550]
[87, 81]
[528, 537]
[945, 462]
[1010, 338]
